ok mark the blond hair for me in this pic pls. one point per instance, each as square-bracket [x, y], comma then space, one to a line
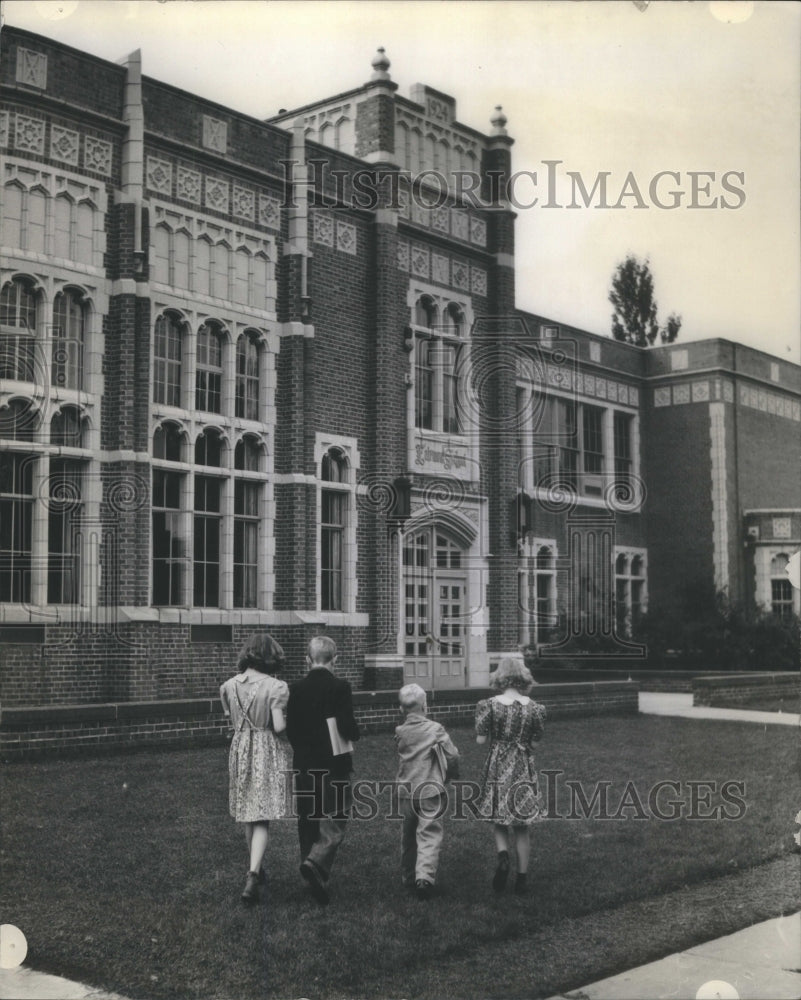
[412, 696]
[512, 673]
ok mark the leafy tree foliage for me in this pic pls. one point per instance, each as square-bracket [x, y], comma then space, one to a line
[634, 320]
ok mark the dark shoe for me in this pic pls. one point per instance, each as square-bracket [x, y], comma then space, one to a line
[422, 888]
[520, 884]
[310, 872]
[262, 877]
[250, 894]
[501, 872]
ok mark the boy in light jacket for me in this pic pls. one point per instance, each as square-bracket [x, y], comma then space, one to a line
[427, 758]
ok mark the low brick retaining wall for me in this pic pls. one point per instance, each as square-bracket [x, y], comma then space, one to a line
[738, 689]
[67, 729]
[672, 681]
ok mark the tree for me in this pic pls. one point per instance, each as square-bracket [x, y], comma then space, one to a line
[634, 320]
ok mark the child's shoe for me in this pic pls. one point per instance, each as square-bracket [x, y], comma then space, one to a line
[250, 894]
[423, 888]
[501, 872]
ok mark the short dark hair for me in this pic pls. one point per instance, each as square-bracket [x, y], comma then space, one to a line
[262, 653]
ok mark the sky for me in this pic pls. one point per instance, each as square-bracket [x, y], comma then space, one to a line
[627, 90]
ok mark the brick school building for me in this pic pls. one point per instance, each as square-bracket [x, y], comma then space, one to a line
[271, 375]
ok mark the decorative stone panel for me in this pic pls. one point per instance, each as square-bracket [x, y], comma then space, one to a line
[403, 255]
[97, 155]
[478, 231]
[634, 396]
[215, 134]
[595, 351]
[459, 224]
[478, 281]
[600, 388]
[440, 269]
[346, 237]
[681, 394]
[460, 273]
[159, 175]
[64, 145]
[662, 397]
[782, 527]
[29, 134]
[31, 68]
[439, 219]
[187, 185]
[322, 228]
[700, 391]
[420, 214]
[217, 194]
[244, 203]
[269, 211]
[420, 261]
[679, 360]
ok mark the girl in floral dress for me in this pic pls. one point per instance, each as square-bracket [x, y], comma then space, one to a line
[255, 701]
[512, 722]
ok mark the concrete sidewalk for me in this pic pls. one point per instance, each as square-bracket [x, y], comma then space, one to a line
[652, 703]
[762, 962]
[25, 984]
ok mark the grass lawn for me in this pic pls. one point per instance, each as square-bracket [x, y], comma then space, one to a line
[138, 892]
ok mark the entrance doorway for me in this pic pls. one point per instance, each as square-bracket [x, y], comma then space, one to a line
[435, 610]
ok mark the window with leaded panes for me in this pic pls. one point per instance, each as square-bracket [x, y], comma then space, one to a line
[167, 354]
[209, 371]
[18, 326]
[247, 377]
[69, 318]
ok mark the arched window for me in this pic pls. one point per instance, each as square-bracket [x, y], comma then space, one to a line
[208, 373]
[18, 323]
[247, 454]
[63, 207]
[454, 320]
[630, 594]
[85, 233]
[180, 259]
[425, 312]
[68, 341]
[65, 428]
[333, 524]
[781, 589]
[222, 257]
[11, 216]
[167, 351]
[168, 443]
[18, 420]
[247, 377]
[201, 273]
[241, 276]
[258, 289]
[161, 255]
[208, 448]
[37, 221]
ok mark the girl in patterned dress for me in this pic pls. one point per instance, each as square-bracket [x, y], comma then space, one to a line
[255, 701]
[512, 722]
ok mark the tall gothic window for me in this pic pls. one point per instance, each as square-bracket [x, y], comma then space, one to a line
[18, 324]
[167, 351]
[68, 341]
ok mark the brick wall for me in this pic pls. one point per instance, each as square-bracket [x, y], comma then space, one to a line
[737, 689]
[33, 732]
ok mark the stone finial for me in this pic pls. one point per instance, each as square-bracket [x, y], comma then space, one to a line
[498, 121]
[380, 66]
